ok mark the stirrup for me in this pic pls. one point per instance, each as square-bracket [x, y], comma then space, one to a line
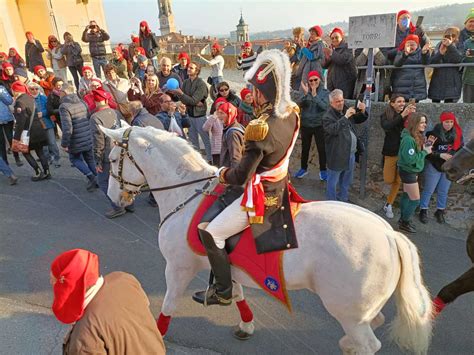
[222, 301]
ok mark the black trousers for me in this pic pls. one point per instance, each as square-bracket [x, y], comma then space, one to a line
[6, 136]
[307, 134]
[42, 157]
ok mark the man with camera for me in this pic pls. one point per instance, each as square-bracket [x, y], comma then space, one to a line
[96, 37]
[341, 144]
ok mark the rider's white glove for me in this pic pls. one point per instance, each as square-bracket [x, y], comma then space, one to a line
[218, 171]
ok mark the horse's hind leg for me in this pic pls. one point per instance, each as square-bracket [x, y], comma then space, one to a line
[177, 279]
[246, 326]
[359, 339]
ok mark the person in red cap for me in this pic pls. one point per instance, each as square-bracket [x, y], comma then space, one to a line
[57, 58]
[89, 99]
[147, 40]
[217, 68]
[109, 314]
[342, 71]
[119, 62]
[33, 50]
[311, 56]
[313, 102]
[404, 28]
[233, 136]
[85, 81]
[215, 127]
[7, 75]
[448, 141]
[246, 58]
[411, 82]
[46, 79]
[181, 68]
[54, 101]
[246, 107]
[27, 120]
[15, 59]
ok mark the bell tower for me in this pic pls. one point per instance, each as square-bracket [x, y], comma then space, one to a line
[166, 17]
[242, 30]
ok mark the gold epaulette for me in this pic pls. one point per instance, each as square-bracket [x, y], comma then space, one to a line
[257, 129]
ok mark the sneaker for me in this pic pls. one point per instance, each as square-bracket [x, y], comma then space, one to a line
[47, 175]
[113, 213]
[92, 184]
[130, 208]
[18, 162]
[439, 214]
[13, 180]
[323, 175]
[388, 210]
[406, 227]
[423, 216]
[57, 164]
[38, 177]
[300, 173]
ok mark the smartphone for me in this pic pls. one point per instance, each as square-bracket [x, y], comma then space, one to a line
[419, 21]
[411, 101]
[470, 52]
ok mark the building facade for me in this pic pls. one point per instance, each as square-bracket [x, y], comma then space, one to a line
[45, 18]
[242, 33]
[166, 17]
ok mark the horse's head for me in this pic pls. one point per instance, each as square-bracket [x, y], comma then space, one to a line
[462, 162]
[145, 155]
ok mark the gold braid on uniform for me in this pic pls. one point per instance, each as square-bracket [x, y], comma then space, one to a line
[257, 129]
[222, 176]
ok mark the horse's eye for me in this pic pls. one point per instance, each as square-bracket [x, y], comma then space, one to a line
[113, 161]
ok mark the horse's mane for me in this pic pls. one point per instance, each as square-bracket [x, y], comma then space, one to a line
[172, 145]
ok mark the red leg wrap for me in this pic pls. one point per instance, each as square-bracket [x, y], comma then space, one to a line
[438, 306]
[163, 323]
[245, 313]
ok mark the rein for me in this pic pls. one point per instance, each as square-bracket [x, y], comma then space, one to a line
[131, 194]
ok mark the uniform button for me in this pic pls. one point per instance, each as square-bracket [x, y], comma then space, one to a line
[282, 208]
[285, 226]
[288, 246]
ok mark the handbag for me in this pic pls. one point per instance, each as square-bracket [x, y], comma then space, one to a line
[210, 81]
[23, 144]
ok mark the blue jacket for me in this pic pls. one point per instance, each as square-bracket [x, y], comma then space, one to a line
[40, 102]
[313, 108]
[5, 100]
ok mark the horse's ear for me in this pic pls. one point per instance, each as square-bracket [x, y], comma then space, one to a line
[124, 124]
[115, 134]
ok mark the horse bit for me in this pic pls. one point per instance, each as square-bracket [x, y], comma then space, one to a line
[130, 195]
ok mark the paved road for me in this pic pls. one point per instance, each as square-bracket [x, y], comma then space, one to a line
[40, 220]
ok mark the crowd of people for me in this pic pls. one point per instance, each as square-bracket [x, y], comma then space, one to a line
[134, 86]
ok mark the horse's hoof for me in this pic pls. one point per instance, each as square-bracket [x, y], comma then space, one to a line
[240, 334]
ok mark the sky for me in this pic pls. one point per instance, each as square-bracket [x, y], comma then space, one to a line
[219, 17]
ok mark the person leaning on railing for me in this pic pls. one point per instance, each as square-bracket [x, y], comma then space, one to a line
[468, 76]
[446, 83]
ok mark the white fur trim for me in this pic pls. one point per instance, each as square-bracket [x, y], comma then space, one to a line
[283, 73]
[247, 327]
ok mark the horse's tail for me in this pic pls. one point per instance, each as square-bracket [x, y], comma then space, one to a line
[412, 326]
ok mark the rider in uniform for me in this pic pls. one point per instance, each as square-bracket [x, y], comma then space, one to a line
[263, 171]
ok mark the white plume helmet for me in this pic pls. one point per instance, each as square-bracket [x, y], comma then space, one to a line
[277, 63]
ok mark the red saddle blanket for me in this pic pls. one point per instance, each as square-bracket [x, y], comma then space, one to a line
[265, 269]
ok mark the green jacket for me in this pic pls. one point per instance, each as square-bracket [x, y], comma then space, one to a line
[410, 158]
[468, 77]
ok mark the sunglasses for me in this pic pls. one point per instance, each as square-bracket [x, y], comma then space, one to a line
[452, 35]
[223, 90]
[34, 89]
[311, 80]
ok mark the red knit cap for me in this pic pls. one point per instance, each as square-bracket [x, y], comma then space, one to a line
[75, 271]
[247, 45]
[100, 95]
[217, 46]
[318, 30]
[85, 67]
[18, 86]
[410, 37]
[220, 100]
[231, 112]
[37, 68]
[244, 92]
[449, 116]
[337, 30]
[314, 73]
[6, 65]
[184, 55]
[147, 28]
[28, 33]
[403, 12]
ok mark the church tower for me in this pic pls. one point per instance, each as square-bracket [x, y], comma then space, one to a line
[166, 17]
[242, 30]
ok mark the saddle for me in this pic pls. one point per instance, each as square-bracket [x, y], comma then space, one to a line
[266, 269]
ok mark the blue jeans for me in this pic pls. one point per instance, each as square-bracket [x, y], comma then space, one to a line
[52, 148]
[343, 178]
[99, 63]
[5, 169]
[84, 162]
[434, 180]
[195, 130]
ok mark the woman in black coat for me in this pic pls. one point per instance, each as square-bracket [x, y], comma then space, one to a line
[223, 90]
[446, 83]
[342, 72]
[26, 119]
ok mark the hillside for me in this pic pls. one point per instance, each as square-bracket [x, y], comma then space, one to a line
[434, 18]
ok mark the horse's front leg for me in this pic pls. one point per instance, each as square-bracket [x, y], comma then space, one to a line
[246, 327]
[177, 279]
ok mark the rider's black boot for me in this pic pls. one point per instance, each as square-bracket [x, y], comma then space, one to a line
[221, 291]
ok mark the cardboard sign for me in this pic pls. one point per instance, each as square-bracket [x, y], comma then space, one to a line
[372, 31]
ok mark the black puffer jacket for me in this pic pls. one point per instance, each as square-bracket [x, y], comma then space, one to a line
[393, 128]
[443, 144]
[24, 109]
[342, 72]
[410, 82]
[149, 44]
[75, 124]
[446, 83]
[33, 55]
[96, 42]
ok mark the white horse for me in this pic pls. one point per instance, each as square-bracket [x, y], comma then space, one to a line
[349, 256]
